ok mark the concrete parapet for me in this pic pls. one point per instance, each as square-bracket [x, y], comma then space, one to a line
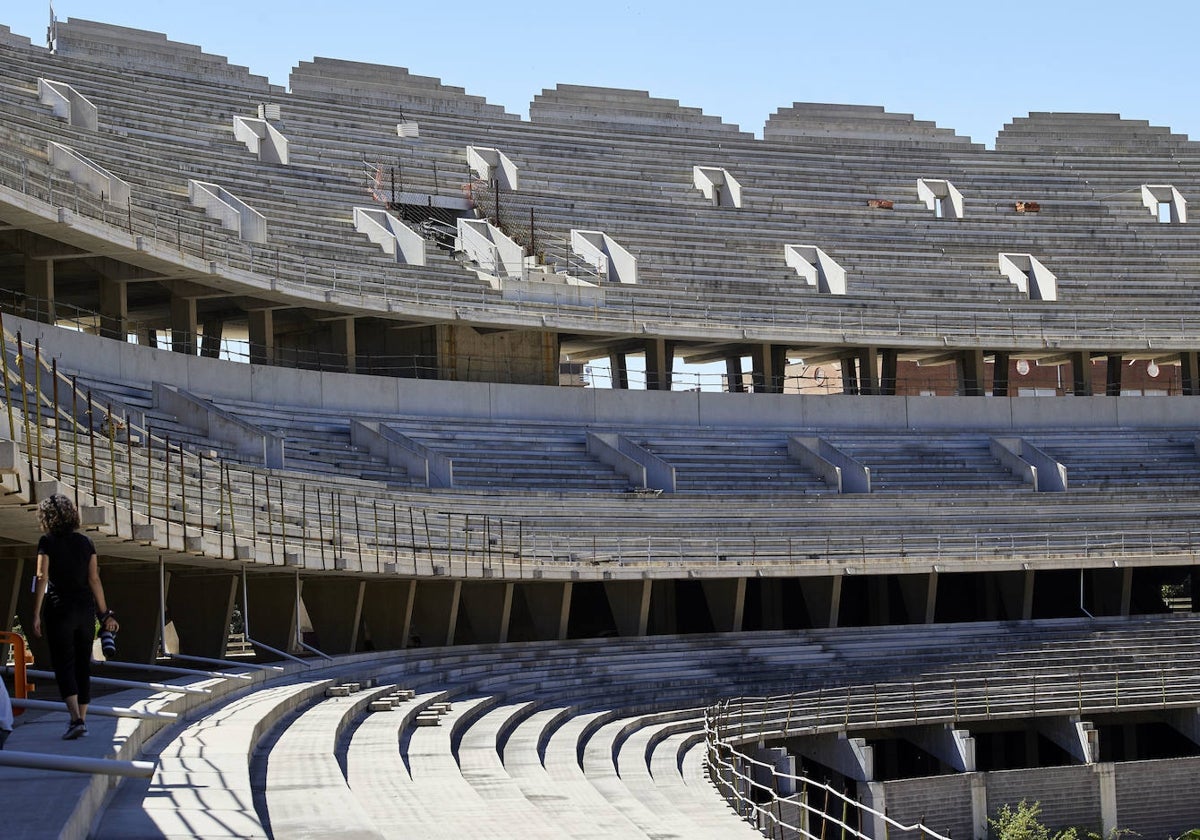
[262, 139]
[218, 424]
[839, 470]
[390, 234]
[229, 210]
[68, 103]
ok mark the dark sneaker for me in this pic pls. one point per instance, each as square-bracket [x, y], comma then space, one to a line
[75, 729]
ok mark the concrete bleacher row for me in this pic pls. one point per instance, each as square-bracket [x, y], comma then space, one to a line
[636, 186]
[527, 496]
[591, 738]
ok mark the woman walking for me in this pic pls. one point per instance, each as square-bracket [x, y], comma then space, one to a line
[67, 602]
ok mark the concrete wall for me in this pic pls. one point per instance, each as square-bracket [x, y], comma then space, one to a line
[942, 803]
[1158, 798]
[1069, 796]
[375, 394]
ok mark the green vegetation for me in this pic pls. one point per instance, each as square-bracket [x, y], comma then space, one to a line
[1022, 823]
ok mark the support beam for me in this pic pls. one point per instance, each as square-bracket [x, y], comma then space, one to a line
[386, 610]
[200, 604]
[1078, 738]
[39, 290]
[114, 309]
[486, 609]
[629, 601]
[1000, 372]
[852, 757]
[770, 362]
[619, 365]
[1189, 373]
[1081, 373]
[849, 366]
[210, 344]
[1113, 368]
[889, 363]
[548, 605]
[184, 326]
[335, 608]
[971, 373]
[868, 365]
[271, 610]
[262, 336]
[660, 360]
[726, 598]
[733, 374]
[435, 612]
[953, 747]
[344, 343]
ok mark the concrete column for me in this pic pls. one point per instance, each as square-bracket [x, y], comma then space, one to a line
[726, 603]
[821, 599]
[852, 757]
[386, 609]
[114, 309]
[1189, 372]
[262, 336]
[132, 593]
[486, 608]
[1079, 738]
[629, 601]
[733, 374]
[868, 365]
[971, 373]
[200, 603]
[335, 609]
[660, 359]
[953, 747]
[1106, 778]
[344, 343]
[931, 598]
[889, 362]
[435, 612]
[210, 344]
[979, 806]
[148, 336]
[39, 290]
[270, 610]
[915, 591]
[549, 607]
[1027, 596]
[183, 325]
[620, 370]
[1081, 373]
[1000, 374]
[1113, 367]
[849, 374]
[770, 361]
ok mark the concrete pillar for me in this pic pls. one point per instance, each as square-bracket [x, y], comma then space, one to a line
[210, 344]
[971, 373]
[486, 607]
[889, 362]
[435, 612]
[39, 290]
[915, 591]
[262, 336]
[660, 359]
[1000, 374]
[334, 607]
[1027, 596]
[852, 757]
[931, 598]
[770, 362]
[868, 365]
[979, 807]
[629, 601]
[849, 366]
[1078, 738]
[1081, 373]
[114, 309]
[1113, 367]
[726, 603]
[549, 607]
[200, 603]
[620, 370]
[386, 610]
[953, 747]
[270, 610]
[344, 343]
[132, 593]
[733, 374]
[1106, 778]
[821, 599]
[183, 325]
[1189, 372]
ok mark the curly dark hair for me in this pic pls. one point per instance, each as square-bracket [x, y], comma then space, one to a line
[57, 515]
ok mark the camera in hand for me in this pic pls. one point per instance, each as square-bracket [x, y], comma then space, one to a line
[108, 643]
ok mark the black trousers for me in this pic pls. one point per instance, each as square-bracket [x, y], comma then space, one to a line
[70, 630]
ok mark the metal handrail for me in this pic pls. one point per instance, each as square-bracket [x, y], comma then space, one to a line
[77, 764]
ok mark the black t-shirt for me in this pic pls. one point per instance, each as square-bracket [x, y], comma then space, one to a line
[69, 557]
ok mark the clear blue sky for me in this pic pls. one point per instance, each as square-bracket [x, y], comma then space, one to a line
[966, 65]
